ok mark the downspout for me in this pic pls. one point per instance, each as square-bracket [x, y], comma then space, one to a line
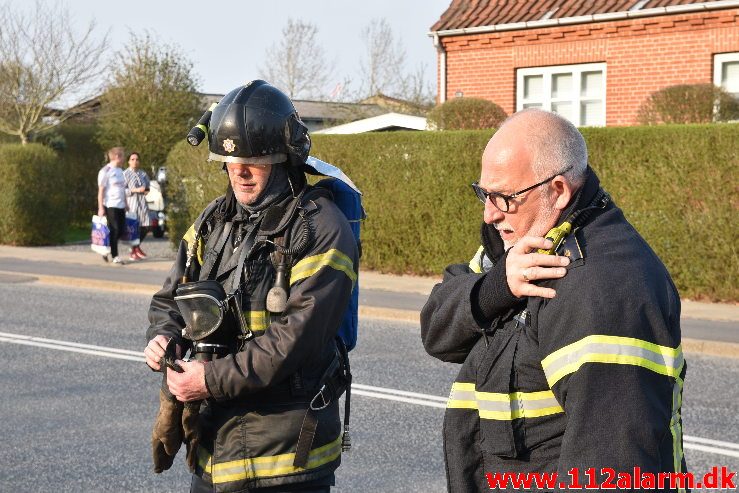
[442, 67]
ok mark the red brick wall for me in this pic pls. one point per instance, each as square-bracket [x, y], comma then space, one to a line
[642, 56]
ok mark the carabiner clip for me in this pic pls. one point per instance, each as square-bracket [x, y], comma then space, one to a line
[325, 403]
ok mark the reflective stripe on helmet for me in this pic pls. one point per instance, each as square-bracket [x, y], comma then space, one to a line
[615, 350]
[333, 258]
[503, 407]
[259, 160]
[267, 466]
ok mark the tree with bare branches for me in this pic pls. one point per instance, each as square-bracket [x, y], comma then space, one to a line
[382, 64]
[297, 64]
[151, 100]
[44, 63]
[383, 67]
[416, 89]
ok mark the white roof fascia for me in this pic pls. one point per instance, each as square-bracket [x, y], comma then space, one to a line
[580, 19]
[585, 19]
[610, 16]
[377, 123]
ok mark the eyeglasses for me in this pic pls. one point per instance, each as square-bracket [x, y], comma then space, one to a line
[502, 201]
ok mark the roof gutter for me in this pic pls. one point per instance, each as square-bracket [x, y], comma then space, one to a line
[586, 19]
[442, 68]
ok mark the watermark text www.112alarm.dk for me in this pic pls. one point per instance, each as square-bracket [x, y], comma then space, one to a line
[609, 479]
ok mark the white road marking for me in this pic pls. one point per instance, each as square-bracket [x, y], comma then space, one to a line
[392, 397]
[70, 344]
[689, 442]
[708, 441]
[710, 450]
[72, 347]
[399, 392]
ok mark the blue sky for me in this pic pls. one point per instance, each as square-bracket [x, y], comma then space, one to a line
[227, 40]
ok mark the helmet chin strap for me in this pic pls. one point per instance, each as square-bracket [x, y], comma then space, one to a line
[296, 179]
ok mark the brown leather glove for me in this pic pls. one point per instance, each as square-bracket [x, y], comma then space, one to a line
[166, 438]
[191, 432]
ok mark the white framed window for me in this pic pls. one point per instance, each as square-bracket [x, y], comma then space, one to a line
[577, 92]
[726, 72]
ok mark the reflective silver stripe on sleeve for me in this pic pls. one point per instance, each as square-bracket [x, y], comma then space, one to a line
[614, 350]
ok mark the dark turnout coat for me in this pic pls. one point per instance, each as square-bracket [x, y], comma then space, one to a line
[259, 395]
[590, 378]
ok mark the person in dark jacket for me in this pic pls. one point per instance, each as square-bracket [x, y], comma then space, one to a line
[569, 361]
[258, 385]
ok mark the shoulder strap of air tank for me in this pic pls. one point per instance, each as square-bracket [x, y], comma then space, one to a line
[201, 234]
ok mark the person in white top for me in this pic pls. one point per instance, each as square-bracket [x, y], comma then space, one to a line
[112, 198]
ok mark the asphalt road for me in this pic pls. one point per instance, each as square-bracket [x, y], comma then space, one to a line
[710, 330]
[80, 421]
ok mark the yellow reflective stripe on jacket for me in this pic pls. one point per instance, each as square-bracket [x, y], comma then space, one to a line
[476, 262]
[462, 396]
[615, 350]
[257, 320]
[261, 467]
[503, 407]
[189, 237]
[333, 258]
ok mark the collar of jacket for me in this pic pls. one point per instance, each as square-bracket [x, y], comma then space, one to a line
[583, 197]
[245, 216]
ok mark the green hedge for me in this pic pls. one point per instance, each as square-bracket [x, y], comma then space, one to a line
[81, 159]
[466, 114]
[192, 183]
[676, 184]
[32, 196]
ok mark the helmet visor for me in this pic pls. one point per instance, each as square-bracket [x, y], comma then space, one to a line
[268, 159]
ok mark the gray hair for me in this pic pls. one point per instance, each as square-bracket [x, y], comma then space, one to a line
[555, 143]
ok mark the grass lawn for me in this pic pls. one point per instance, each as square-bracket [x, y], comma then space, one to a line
[77, 233]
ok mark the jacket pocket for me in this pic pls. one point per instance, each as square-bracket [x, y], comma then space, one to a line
[493, 390]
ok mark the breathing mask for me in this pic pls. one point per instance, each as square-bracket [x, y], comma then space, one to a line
[214, 320]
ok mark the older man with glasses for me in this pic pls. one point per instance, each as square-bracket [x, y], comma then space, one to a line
[566, 324]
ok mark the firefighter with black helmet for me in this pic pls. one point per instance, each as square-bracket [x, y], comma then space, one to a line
[256, 295]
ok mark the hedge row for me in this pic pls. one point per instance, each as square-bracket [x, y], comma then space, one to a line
[676, 184]
[77, 164]
[32, 198]
[81, 158]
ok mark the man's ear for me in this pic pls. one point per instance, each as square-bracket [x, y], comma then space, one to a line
[563, 192]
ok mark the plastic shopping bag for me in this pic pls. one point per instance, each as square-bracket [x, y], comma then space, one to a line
[100, 236]
[130, 234]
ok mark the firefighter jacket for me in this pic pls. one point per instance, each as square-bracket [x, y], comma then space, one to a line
[590, 378]
[259, 395]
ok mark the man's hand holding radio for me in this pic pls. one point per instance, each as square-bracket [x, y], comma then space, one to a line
[524, 265]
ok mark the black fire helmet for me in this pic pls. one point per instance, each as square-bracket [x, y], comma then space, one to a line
[254, 124]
